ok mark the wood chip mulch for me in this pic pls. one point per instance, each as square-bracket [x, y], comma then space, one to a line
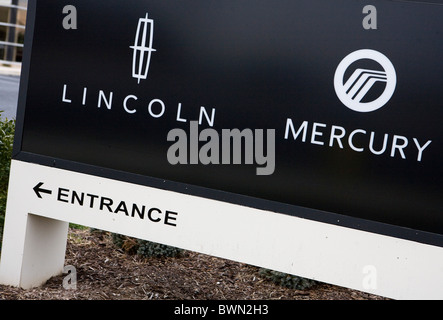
[105, 272]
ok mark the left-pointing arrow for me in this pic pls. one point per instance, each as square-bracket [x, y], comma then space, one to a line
[38, 191]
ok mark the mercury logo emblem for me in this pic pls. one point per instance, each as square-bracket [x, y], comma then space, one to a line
[142, 48]
[354, 90]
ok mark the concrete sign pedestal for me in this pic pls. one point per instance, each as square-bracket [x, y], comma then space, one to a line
[36, 232]
[33, 248]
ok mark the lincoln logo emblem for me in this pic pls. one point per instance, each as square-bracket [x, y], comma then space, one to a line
[353, 91]
[142, 48]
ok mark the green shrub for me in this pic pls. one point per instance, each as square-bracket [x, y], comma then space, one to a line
[7, 128]
[153, 249]
[287, 280]
[145, 248]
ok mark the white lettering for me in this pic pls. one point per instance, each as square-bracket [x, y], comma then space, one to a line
[317, 133]
[203, 112]
[184, 310]
[156, 107]
[337, 137]
[371, 144]
[64, 95]
[351, 136]
[84, 96]
[125, 103]
[358, 140]
[108, 102]
[179, 109]
[162, 110]
[290, 125]
[420, 149]
[399, 147]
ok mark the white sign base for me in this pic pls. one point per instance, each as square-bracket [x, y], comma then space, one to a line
[42, 200]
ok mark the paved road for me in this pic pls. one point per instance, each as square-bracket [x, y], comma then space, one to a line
[9, 95]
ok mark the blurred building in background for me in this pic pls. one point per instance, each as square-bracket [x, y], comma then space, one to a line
[12, 31]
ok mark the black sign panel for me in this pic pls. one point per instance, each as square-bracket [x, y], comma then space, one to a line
[353, 96]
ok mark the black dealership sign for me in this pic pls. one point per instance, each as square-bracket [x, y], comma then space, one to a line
[356, 112]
